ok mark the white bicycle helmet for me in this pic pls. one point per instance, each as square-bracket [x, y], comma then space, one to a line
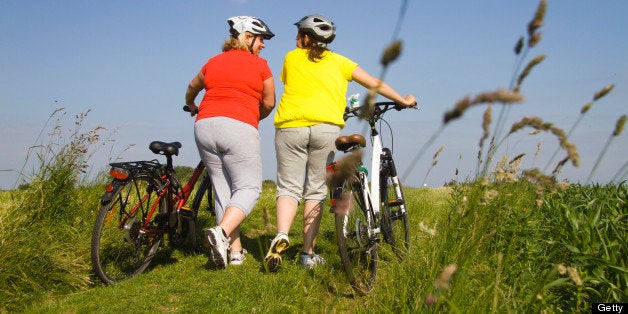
[318, 27]
[253, 25]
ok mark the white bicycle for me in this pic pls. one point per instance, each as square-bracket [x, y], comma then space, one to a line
[365, 213]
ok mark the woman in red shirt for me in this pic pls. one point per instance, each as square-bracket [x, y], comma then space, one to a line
[239, 91]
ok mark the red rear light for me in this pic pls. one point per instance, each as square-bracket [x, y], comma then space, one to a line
[119, 173]
[109, 188]
[331, 168]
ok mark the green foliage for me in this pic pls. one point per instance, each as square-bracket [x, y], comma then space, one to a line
[512, 251]
[515, 251]
[183, 173]
[43, 240]
[590, 245]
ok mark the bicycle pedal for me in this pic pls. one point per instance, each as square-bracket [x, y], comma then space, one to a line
[185, 212]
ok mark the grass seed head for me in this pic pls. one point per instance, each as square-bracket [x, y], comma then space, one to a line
[443, 280]
[391, 53]
[367, 111]
[534, 122]
[575, 277]
[534, 39]
[438, 152]
[526, 71]
[586, 107]
[345, 167]
[430, 299]
[501, 95]
[619, 127]
[602, 92]
[537, 21]
[519, 46]
[486, 122]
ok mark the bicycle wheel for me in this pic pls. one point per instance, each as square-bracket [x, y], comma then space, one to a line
[125, 238]
[395, 227]
[204, 189]
[358, 251]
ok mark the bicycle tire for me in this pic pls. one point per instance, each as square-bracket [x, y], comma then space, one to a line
[204, 189]
[118, 249]
[395, 225]
[358, 251]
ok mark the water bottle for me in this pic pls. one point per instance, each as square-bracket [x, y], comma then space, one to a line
[354, 100]
[364, 169]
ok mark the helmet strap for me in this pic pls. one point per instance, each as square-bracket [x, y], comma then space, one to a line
[252, 43]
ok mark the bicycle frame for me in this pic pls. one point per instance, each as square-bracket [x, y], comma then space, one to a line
[372, 195]
[177, 198]
[375, 168]
[181, 198]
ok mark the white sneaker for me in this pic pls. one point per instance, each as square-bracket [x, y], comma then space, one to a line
[237, 258]
[279, 245]
[310, 261]
[219, 246]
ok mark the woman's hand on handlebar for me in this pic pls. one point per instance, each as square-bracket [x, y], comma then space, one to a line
[192, 109]
[409, 101]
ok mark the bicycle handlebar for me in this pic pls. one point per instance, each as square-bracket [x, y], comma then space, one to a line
[187, 109]
[378, 109]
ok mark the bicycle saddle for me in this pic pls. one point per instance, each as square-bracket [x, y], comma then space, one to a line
[167, 149]
[345, 142]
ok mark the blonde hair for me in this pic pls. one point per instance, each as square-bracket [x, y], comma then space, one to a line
[238, 43]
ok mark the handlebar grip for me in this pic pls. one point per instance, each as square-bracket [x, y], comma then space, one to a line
[187, 109]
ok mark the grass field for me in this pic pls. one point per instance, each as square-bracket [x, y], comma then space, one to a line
[508, 254]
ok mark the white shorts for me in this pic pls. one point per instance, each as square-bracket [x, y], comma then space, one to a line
[302, 157]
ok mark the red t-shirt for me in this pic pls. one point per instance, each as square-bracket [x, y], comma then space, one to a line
[234, 81]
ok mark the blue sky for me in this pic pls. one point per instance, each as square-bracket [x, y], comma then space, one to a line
[130, 62]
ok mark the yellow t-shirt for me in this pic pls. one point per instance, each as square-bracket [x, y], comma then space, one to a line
[314, 92]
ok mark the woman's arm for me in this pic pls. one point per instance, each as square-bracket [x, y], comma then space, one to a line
[268, 98]
[195, 87]
[371, 82]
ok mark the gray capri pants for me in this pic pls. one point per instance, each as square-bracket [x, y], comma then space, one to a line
[230, 150]
[302, 157]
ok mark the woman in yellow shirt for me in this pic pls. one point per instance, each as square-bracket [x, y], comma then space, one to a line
[308, 120]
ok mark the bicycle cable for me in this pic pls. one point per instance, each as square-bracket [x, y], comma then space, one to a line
[392, 138]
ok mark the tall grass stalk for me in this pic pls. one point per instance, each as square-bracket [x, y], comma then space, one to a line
[621, 174]
[522, 48]
[434, 163]
[619, 127]
[44, 247]
[36, 144]
[583, 111]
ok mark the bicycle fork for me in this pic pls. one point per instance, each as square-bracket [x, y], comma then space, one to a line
[371, 211]
[391, 171]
